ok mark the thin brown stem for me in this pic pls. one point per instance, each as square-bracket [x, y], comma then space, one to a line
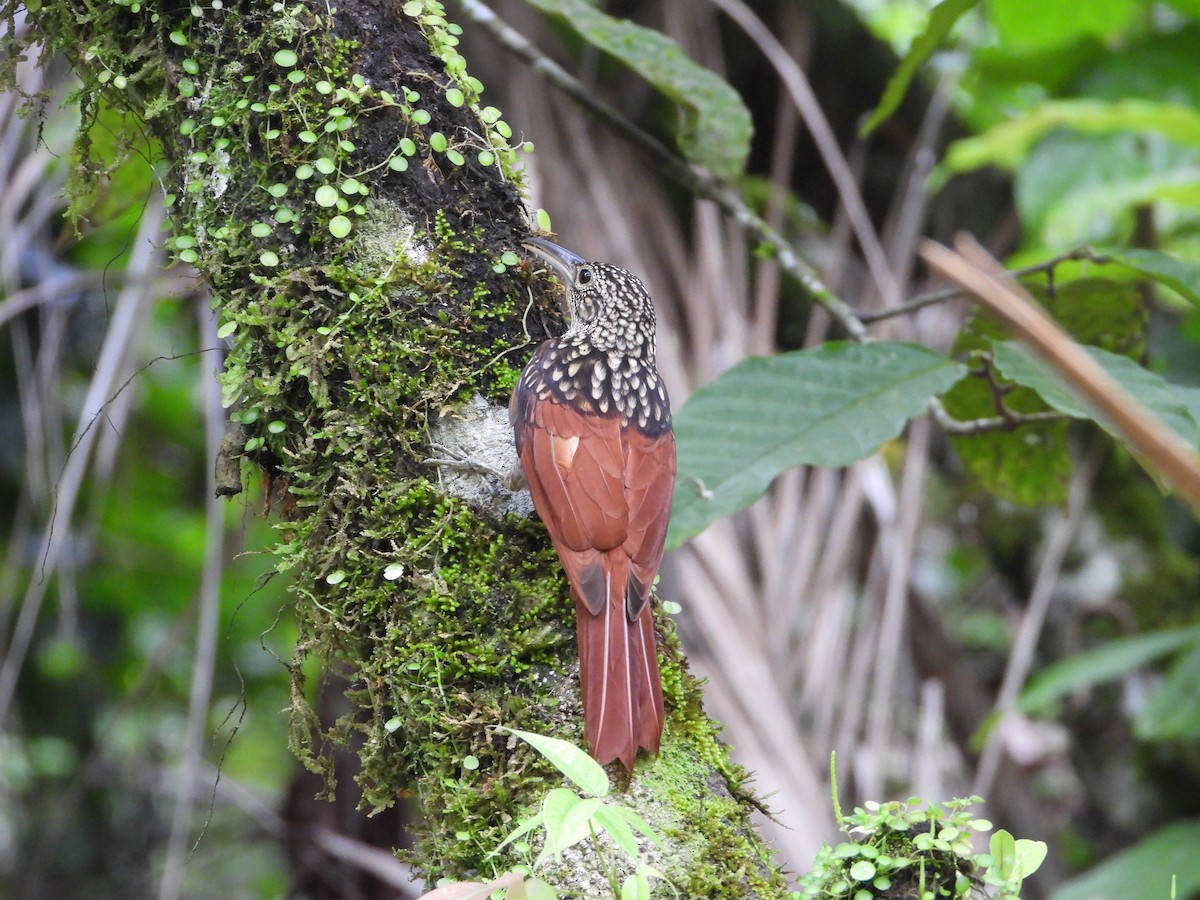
[941, 296]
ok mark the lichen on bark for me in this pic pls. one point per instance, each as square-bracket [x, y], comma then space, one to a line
[340, 183]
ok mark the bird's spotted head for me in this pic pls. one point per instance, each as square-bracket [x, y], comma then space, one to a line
[605, 303]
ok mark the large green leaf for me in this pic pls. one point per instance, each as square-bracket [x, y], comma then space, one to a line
[1036, 24]
[1075, 188]
[1144, 870]
[1181, 276]
[1018, 363]
[1107, 662]
[717, 126]
[1173, 713]
[1160, 69]
[1008, 143]
[828, 406]
[941, 20]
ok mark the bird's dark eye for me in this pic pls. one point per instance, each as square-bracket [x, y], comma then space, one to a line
[584, 276]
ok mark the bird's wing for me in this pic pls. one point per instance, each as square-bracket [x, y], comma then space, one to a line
[575, 466]
[649, 488]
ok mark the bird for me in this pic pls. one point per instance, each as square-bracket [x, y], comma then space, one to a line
[592, 424]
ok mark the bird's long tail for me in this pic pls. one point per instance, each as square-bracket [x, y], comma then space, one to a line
[622, 690]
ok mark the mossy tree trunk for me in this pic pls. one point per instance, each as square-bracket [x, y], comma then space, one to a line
[340, 184]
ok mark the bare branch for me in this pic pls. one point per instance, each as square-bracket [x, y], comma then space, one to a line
[941, 296]
[1010, 421]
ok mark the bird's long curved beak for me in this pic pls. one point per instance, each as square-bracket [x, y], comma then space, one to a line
[562, 260]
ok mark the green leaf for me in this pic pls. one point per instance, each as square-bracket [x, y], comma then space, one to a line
[1008, 143]
[1035, 24]
[616, 827]
[1179, 275]
[717, 125]
[1189, 397]
[340, 226]
[941, 19]
[1173, 713]
[286, 58]
[631, 816]
[326, 195]
[635, 887]
[566, 815]
[1145, 869]
[573, 762]
[863, 870]
[1030, 856]
[1019, 364]
[577, 823]
[1107, 662]
[828, 406]
[1078, 188]
[1003, 849]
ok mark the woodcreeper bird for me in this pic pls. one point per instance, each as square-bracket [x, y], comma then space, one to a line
[592, 424]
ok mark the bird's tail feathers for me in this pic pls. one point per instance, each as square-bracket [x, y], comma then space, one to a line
[622, 689]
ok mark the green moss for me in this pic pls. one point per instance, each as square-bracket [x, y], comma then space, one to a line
[720, 855]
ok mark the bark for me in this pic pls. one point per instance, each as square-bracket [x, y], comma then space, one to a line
[363, 285]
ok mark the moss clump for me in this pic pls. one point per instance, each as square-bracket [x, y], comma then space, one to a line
[454, 642]
[719, 853]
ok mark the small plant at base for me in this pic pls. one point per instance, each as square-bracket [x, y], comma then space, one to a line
[918, 849]
[566, 818]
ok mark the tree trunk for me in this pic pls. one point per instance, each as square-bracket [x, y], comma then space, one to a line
[338, 181]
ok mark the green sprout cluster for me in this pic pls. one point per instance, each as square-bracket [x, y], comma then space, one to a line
[919, 850]
[494, 144]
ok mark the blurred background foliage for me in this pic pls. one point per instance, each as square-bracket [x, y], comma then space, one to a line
[894, 611]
